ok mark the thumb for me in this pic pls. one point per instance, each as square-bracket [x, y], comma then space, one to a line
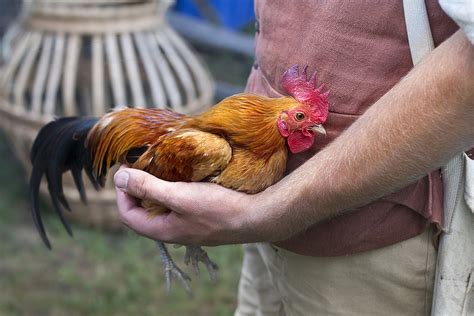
[142, 185]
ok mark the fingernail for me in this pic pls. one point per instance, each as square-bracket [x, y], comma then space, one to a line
[121, 179]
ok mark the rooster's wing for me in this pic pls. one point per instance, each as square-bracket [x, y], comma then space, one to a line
[186, 155]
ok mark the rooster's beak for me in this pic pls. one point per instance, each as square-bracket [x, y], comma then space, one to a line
[318, 128]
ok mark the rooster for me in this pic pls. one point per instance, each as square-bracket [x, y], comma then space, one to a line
[241, 143]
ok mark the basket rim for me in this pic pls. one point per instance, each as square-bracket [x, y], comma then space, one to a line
[94, 11]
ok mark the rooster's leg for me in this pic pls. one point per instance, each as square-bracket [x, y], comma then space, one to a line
[171, 269]
[194, 255]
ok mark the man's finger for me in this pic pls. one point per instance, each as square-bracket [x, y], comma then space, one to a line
[142, 185]
[124, 201]
[138, 219]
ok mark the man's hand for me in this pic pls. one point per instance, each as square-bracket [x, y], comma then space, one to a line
[201, 213]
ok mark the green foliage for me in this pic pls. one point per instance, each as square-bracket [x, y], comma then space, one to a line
[96, 273]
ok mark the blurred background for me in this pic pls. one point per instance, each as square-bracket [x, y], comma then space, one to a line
[105, 270]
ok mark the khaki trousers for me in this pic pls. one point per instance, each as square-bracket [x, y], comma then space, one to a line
[395, 280]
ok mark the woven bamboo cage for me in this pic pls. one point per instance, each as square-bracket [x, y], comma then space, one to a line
[87, 57]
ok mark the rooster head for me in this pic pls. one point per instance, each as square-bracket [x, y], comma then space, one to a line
[300, 123]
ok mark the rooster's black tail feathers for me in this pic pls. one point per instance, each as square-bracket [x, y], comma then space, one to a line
[59, 147]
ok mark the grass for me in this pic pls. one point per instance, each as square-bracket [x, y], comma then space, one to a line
[96, 273]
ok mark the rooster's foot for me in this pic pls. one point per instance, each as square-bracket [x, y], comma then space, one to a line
[171, 269]
[194, 255]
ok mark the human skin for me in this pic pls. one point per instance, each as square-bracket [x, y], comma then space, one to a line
[416, 127]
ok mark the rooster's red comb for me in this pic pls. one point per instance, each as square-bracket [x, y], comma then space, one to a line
[306, 91]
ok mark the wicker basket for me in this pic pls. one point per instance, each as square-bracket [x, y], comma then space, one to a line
[86, 57]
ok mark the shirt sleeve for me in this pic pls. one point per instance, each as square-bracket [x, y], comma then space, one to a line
[462, 12]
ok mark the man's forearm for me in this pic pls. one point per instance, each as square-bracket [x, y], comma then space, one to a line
[415, 128]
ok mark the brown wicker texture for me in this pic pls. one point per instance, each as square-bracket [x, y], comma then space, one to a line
[73, 57]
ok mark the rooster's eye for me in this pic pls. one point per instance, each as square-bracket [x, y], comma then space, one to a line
[299, 116]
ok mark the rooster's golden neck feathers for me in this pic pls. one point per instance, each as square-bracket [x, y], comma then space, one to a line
[247, 120]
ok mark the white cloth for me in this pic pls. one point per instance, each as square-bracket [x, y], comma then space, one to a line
[462, 12]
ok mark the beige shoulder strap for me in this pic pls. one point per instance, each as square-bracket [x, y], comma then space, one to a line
[418, 29]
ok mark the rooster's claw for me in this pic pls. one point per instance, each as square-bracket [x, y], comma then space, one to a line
[171, 269]
[194, 255]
